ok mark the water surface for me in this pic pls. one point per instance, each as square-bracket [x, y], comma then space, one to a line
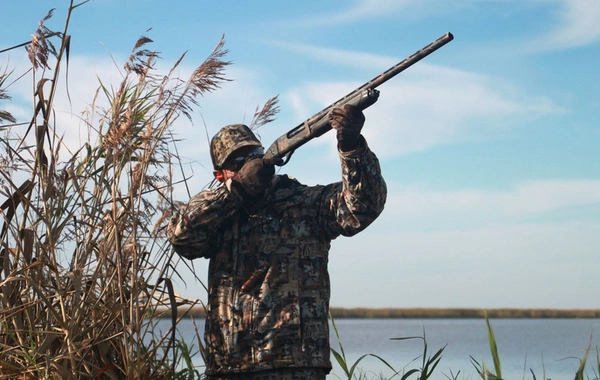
[550, 347]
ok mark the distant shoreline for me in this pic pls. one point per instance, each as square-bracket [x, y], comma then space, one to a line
[462, 313]
[446, 313]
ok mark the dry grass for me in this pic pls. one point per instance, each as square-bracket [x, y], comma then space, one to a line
[5, 116]
[83, 264]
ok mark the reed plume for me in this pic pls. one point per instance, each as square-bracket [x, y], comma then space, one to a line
[5, 116]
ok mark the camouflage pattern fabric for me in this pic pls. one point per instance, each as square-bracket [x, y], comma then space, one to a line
[282, 374]
[229, 139]
[269, 289]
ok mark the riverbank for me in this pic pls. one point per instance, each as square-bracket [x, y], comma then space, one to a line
[462, 313]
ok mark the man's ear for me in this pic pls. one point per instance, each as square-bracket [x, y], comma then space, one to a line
[219, 175]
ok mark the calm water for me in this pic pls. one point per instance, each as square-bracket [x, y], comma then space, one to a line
[523, 344]
[555, 345]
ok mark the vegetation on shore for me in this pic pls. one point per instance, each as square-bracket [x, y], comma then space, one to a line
[462, 313]
[338, 313]
[83, 262]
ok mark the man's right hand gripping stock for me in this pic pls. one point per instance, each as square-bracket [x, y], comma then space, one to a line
[348, 123]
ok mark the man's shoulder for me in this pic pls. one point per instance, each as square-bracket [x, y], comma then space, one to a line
[284, 181]
[288, 188]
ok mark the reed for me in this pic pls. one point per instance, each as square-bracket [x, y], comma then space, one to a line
[84, 268]
[353, 372]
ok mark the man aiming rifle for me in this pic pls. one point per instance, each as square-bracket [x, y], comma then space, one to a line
[267, 238]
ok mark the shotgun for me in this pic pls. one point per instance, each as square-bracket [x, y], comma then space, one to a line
[280, 152]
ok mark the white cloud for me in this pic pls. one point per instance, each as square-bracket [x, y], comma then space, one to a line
[419, 206]
[353, 11]
[83, 74]
[338, 57]
[360, 10]
[574, 23]
[235, 102]
[365, 9]
[579, 25]
[518, 265]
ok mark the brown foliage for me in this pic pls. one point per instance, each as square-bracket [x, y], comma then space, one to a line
[82, 271]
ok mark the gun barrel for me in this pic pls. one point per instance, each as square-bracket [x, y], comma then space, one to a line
[406, 63]
[403, 65]
[363, 97]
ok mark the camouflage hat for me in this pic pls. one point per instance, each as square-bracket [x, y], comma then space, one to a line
[229, 139]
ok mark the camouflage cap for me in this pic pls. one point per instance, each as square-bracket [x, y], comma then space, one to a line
[229, 139]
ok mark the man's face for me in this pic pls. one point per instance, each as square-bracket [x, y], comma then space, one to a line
[237, 159]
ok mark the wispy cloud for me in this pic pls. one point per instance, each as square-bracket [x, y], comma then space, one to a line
[576, 21]
[579, 25]
[339, 57]
[432, 105]
[538, 265]
[361, 10]
[365, 9]
[574, 24]
[418, 205]
[73, 97]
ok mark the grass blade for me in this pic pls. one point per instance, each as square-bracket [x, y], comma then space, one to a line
[493, 347]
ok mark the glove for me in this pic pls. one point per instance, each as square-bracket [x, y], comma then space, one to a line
[254, 177]
[348, 122]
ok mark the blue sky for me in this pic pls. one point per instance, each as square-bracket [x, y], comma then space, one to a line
[489, 146]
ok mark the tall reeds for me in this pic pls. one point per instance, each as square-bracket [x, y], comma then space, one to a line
[84, 269]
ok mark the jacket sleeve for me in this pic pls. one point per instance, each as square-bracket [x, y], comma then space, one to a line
[354, 203]
[193, 226]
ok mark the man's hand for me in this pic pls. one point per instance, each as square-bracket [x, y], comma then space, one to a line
[255, 176]
[347, 122]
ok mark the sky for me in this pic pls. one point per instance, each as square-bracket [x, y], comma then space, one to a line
[489, 146]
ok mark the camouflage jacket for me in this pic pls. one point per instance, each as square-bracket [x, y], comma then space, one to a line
[269, 290]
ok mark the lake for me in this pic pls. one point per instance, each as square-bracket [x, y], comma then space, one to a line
[553, 345]
[523, 344]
